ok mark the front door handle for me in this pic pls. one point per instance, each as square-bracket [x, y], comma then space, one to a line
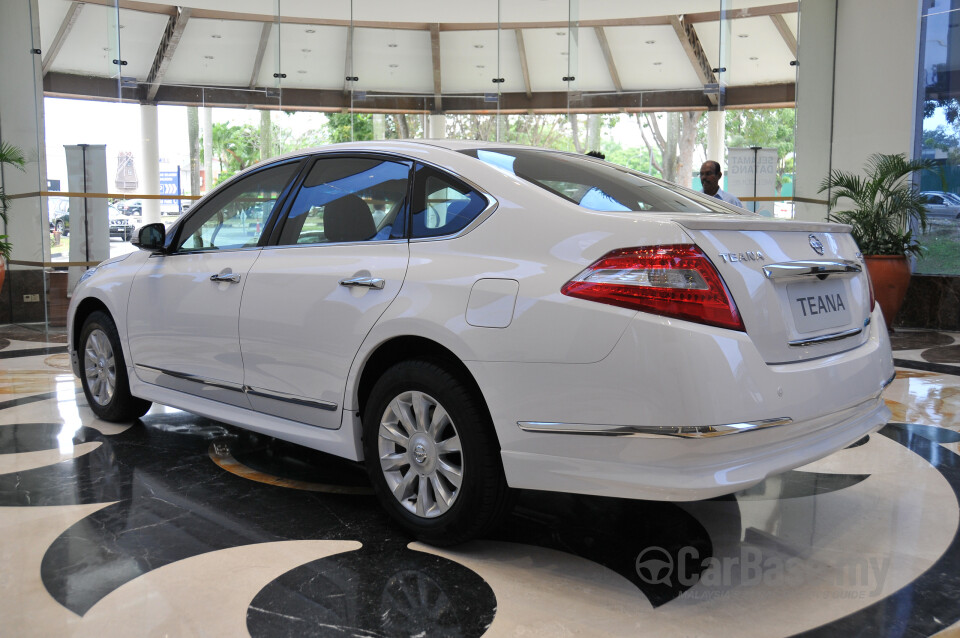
[365, 282]
[225, 277]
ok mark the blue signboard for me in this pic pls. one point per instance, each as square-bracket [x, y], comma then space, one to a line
[170, 185]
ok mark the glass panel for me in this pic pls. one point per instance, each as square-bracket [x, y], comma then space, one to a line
[939, 138]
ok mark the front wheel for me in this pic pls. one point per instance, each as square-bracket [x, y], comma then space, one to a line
[432, 454]
[103, 372]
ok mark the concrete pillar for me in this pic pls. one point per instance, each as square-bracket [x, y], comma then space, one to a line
[150, 145]
[207, 126]
[438, 126]
[379, 126]
[21, 124]
[844, 112]
[716, 130]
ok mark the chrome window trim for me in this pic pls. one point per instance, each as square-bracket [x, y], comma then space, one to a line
[813, 268]
[215, 251]
[653, 431]
[379, 242]
[492, 205]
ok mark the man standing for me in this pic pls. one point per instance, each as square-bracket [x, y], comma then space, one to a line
[710, 179]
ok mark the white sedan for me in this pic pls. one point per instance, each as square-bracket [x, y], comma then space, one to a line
[469, 317]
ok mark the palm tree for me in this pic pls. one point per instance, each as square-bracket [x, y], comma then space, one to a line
[885, 202]
[10, 155]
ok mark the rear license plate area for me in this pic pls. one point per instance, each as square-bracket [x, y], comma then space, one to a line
[819, 305]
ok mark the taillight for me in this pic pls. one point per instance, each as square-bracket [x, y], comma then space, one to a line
[673, 281]
[873, 299]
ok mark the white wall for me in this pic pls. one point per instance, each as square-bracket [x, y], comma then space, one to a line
[21, 124]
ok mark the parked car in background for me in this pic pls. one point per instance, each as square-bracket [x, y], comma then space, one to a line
[469, 317]
[57, 207]
[130, 206]
[941, 204]
[123, 226]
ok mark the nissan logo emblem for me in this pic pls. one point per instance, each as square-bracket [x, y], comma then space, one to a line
[816, 245]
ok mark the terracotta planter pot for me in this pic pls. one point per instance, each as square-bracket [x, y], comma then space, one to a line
[890, 275]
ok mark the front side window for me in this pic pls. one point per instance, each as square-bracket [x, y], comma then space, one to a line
[442, 204]
[235, 217]
[349, 199]
[595, 185]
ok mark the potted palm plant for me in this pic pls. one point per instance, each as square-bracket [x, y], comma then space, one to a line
[886, 205]
[10, 155]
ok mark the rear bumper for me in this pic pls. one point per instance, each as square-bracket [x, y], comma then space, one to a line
[680, 411]
[673, 469]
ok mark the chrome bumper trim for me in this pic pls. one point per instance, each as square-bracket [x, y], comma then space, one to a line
[786, 269]
[653, 431]
[837, 336]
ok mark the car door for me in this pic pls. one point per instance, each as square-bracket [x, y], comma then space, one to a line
[310, 300]
[184, 304]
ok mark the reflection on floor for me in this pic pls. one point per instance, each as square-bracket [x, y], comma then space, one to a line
[184, 526]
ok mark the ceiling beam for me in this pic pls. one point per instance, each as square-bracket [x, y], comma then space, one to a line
[330, 100]
[216, 14]
[523, 62]
[261, 51]
[348, 62]
[608, 56]
[168, 46]
[68, 21]
[435, 48]
[690, 42]
[788, 38]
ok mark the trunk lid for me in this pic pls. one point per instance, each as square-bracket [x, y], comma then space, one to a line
[801, 287]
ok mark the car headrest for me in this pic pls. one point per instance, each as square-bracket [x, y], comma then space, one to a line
[348, 219]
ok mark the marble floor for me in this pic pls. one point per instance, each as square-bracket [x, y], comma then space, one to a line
[182, 526]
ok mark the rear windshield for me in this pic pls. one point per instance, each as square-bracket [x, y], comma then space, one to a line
[596, 185]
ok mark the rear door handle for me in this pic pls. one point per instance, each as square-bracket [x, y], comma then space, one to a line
[365, 282]
[225, 277]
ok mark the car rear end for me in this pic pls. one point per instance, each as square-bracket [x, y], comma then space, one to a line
[750, 346]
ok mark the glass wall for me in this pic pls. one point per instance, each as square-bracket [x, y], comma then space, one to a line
[939, 136]
[183, 97]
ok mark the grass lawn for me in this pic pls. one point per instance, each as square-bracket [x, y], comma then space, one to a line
[941, 255]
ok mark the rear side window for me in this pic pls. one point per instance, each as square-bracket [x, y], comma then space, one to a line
[349, 199]
[442, 204]
[594, 185]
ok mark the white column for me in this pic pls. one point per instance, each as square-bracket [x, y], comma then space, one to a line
[438, 126]
[150, 145]
[206, 124]
[815, 83]
[716, 129]
[379, 126]
[89, 227]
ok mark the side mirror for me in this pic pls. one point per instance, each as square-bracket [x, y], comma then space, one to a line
[151, 237]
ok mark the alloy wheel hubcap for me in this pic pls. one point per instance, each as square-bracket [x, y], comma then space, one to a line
[99, 367]
[420, 454]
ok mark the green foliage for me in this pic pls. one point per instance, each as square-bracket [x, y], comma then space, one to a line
[885, 204]
[236, 147]
[769, 128]
[339, 127]
[633, 157]
[10, 155]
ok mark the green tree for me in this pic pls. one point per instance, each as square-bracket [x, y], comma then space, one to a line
[769, 128]
[236, 147]
[349, 127]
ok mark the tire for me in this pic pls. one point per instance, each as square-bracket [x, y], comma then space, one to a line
[414, 477]
[103, 372]
[60, 227]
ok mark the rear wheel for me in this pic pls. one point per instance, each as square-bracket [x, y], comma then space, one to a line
[103, 372]
[432, 454]
[59, 225]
